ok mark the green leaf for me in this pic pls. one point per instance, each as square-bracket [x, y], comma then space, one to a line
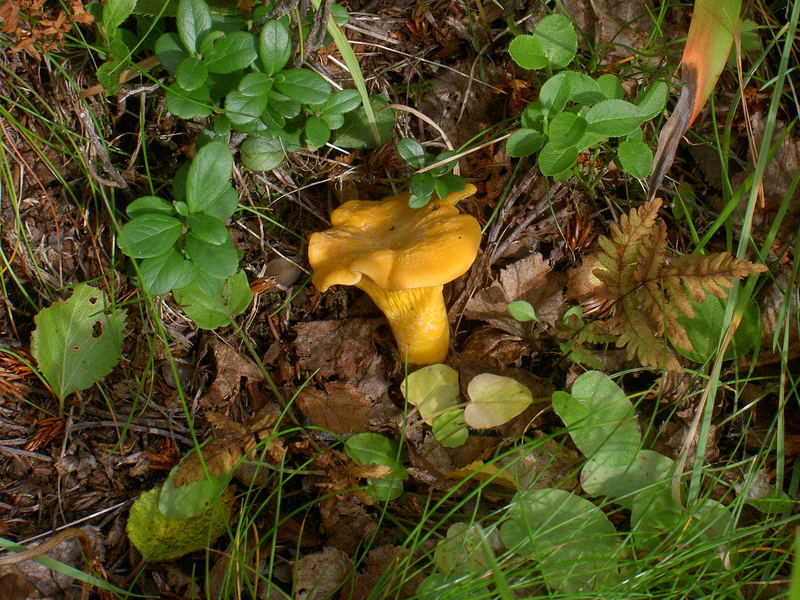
[342, 102]
[464, 549]
[614, 118]
[207, 228]
[115, 13]
[261, 154]
[212, 311]
[647, 470]
[421, 186]
[532, 116]
[304, 86]
[274, 46]
[167, 272]
[224, 205]
[600, 419]
[356, 131]
[149, 235]
[192, 73]
[149, 205]
[522, 311]
[433, 390]
[78, 341]
[527, 52]
[333, 121]
[610, 86]
[583, 89]
[635, 158]
[190, 499]
[554, 95]
[450, 428]
[495, 400]
[159, 538]
[654, 100]
[554, 159]
[705, 328]
[411, 151]
[218, 261]
[317, 132]
[654, 516]
[283, 105]
[524, 142]
[170, 52]
[241, 108]
[255, 84]
[234, 52]
[558, 39]
[209, 176]
[572, 540]
[446, 184]
[376, 449]
[188, 105]
[194, 21]
[566, 129]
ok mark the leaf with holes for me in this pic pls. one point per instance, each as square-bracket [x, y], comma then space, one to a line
[77, 342]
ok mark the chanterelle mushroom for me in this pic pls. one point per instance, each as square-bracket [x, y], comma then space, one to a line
[401, 257]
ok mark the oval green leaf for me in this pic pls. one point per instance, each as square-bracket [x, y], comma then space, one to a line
[495, 400]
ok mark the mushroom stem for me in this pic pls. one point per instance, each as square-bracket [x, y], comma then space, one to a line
[418, 319]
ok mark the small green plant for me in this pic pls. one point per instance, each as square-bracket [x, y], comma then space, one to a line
[375, 449]
[77, 342]
[440, 180]
[567, 535]
[435, 391]
[575, 111]
[184, 246]
[241, 71]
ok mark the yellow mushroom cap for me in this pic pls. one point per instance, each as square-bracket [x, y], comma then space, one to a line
[396, 246]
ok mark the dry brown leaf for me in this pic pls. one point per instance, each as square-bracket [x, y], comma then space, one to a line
[341, 408]
[480, 471]
[383, 564]
[232, 367]
[529, 279]
[346, 522]
[317, 576]
[344, 349]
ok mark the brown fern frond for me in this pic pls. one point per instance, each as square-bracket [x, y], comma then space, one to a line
[638, 337]
[694, 276]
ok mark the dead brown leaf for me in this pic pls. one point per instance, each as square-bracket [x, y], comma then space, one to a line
[344, 349]
[529, 279]
[232, 367]
[317, 576]
[341, 408]
[383, 564]
[346, 522]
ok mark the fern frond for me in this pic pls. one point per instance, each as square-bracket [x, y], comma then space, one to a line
[694, 275]
[638, 337]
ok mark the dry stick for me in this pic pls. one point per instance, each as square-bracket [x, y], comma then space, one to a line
[50, 544]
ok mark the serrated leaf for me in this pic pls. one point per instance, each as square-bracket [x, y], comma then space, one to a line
[572, 540]
[600, 419]
[159, 538]
[75, 342]
[194, 21]
[150, 234]
[218, 310]
[162, 274]
[495, 400]
[432, 389]
[304, 86]
[209, 176]
[274, 46]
